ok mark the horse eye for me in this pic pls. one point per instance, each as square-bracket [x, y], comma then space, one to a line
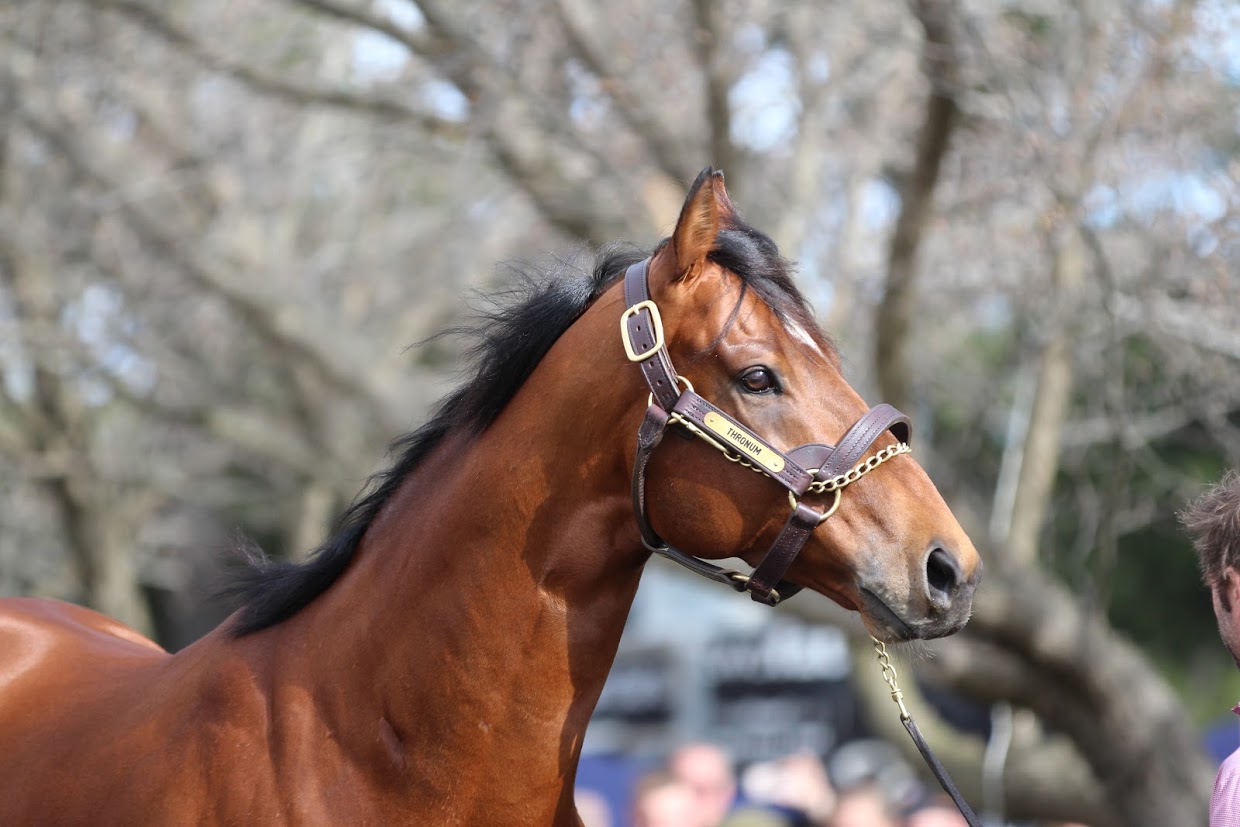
[759, 380]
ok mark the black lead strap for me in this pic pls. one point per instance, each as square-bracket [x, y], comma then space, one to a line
[927, 754]
[940, 772]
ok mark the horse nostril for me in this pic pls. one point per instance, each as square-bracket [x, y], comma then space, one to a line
[942, 578]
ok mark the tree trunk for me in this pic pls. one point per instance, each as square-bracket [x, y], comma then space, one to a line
[1052, 396]
[895, 312]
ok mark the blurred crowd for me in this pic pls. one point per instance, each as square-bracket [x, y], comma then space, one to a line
[698, 786]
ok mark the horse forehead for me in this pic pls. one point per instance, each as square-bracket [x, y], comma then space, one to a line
[799, 332]
[754, 318]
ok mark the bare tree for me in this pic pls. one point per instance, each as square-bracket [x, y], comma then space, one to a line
[219, 232]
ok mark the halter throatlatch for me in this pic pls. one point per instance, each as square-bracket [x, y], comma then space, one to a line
[813, 468]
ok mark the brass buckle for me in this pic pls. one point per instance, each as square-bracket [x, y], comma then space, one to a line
[656, 325]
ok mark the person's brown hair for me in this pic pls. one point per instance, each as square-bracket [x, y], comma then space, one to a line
[1213, 523]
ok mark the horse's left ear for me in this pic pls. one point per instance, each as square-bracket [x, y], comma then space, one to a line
[707, 210]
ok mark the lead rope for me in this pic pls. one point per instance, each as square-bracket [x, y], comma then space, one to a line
[940, 772]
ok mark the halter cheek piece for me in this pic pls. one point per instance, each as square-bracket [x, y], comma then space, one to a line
[813, 468]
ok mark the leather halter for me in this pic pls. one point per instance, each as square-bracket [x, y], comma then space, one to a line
[641, 330]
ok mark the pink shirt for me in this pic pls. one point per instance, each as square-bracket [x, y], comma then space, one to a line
[1225, 801]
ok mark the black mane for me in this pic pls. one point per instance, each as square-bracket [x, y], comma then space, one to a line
[510, 339]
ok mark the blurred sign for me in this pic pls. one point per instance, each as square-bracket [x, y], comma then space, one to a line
[780, 692]
[763, 696]
[639, 688]
[785, 652]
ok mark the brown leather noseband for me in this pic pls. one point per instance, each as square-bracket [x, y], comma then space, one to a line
[814, 467]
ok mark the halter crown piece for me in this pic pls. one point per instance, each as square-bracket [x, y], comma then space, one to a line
[817, 468]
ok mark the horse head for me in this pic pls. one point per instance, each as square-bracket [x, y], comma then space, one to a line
[756, 379]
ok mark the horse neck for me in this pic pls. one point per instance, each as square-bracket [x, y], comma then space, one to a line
[486, 603]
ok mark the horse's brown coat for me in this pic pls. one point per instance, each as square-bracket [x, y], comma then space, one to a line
[447, 677]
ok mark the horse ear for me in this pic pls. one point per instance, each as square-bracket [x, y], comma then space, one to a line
[707, 210]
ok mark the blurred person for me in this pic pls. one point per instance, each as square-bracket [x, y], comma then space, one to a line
[759, 817]
[940, 812]
[1213, 522]
[863, 805]
[592, 808]
[706, 769]
[797, 783]
[662, 800]
[875, 761]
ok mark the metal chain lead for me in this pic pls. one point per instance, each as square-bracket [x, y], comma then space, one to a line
[936, 767]
[860, 470]
[889, 675]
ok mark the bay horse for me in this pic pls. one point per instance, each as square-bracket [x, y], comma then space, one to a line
[437, 660]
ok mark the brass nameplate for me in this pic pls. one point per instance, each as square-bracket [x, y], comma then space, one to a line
[744, 442]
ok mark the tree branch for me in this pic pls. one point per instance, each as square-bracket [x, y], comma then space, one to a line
[893, 320]
[288, 89]
[667, 149]
[285, 330]
[554, 167]
[710, 46]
